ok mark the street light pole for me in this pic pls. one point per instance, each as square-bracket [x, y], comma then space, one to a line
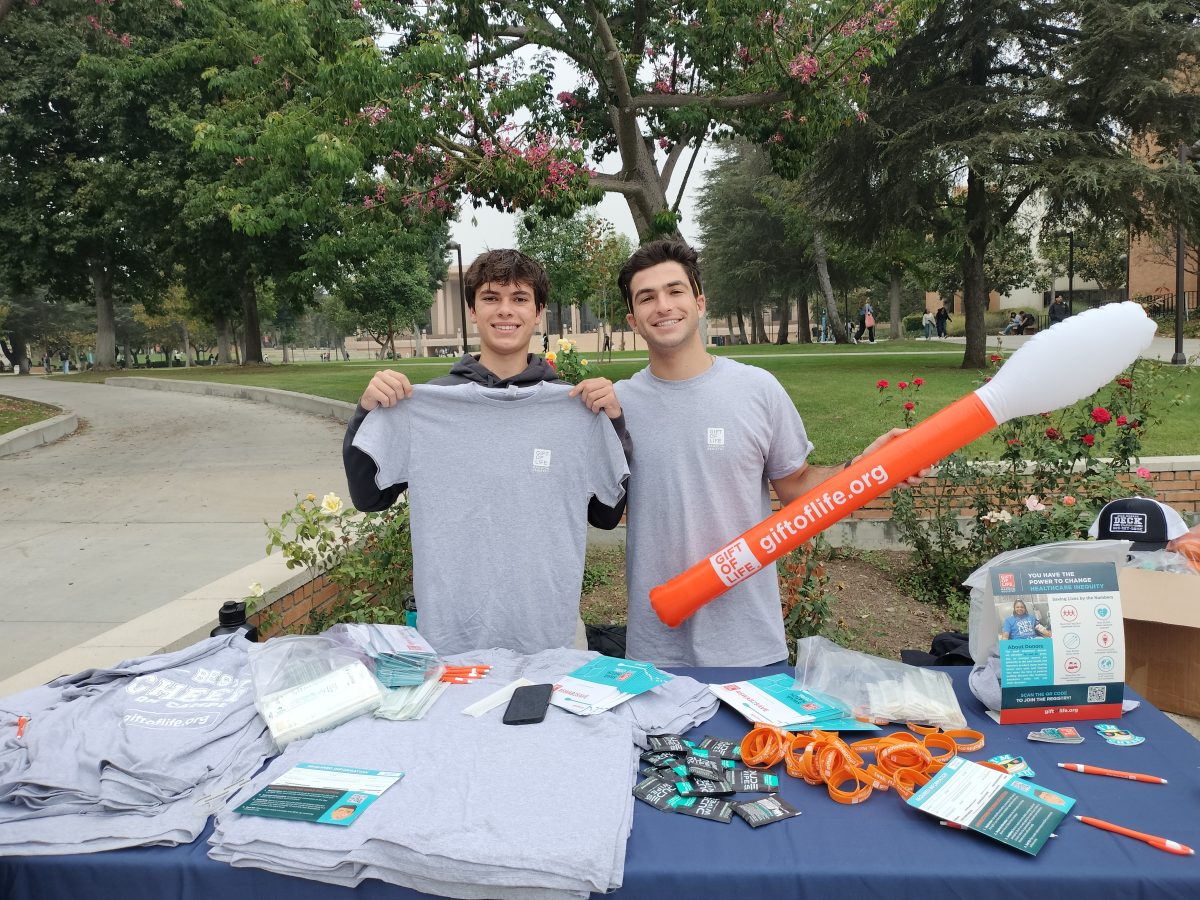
[462, 290]
[1071, 273]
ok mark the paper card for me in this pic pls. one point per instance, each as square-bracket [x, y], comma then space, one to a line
[603, 683]
[775, 700]
[310, 792]
[1008, 809]
[1061, 641]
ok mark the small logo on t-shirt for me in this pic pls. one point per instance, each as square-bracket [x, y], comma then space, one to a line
[541, 459]
[716, 438]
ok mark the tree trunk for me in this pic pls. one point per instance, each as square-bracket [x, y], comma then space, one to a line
[187, 348]
[16, 351]
[756, 329]
[785, 317]
[250, 322]
[831, 311]
[741, 320]
[803, 320]
[224, 339]
[895, 331]
[561, 324]
[974, 281]
[106, 327]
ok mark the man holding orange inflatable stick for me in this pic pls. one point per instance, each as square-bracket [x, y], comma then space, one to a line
[713, 436]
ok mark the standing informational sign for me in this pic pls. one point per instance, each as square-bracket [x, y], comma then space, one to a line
[1062, 641]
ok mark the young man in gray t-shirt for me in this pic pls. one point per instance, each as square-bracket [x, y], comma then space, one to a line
[464, 603]
[713, 435]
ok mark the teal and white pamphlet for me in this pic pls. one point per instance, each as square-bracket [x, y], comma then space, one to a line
[775, 700]
[1006, 808]
[603, 683]
[310, 792]
[1061, 641]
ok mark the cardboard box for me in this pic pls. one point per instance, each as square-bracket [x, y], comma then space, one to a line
[1162, 638]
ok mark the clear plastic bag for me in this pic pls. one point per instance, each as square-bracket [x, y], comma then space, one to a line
[305, 684]
[984, 624]
[876, 689]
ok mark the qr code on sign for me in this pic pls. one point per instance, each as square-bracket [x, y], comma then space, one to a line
[1097, 693]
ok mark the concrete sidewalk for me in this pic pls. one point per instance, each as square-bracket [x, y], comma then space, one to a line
[155, 495]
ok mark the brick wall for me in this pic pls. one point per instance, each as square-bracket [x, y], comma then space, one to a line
[1176, 482]
[289, 613]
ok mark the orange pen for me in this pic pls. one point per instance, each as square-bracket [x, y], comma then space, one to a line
[1112, 773]
[1161, 843]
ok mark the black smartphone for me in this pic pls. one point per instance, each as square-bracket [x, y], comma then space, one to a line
[527, 705]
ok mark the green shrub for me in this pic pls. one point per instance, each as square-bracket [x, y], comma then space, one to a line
[1055, 473]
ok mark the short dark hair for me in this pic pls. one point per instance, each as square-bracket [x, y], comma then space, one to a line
[654, 253]
[507, 267]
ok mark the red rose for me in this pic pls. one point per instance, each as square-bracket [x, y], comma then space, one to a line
[995, 357]
[882, 384]
[1125, 382]
[903, 385]
[1053, 433]
[918, 381]
[1015, 442]
[910, 405]
[1101, 416]
[1089, 440]
[1122, 421]
[987, 378]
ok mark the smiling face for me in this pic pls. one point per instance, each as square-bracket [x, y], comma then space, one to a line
[1019, 608]
[666, 309]
[506, 316]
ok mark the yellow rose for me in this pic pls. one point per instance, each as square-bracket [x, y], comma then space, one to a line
[564, 344]
[332, 504]
[583, 362]
[551, 356]
[311, 498]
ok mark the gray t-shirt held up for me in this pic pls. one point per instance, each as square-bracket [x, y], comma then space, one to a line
[499, 483]
[706, 448]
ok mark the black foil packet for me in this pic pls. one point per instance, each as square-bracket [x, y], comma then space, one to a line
[659, 794]
[721, 747]
[712, 808]
[765, 811]
[752, 781]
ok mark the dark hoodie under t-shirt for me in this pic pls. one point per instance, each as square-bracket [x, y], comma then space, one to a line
[361, 469]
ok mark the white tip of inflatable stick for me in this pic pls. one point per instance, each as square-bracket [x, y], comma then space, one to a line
[1066, 363]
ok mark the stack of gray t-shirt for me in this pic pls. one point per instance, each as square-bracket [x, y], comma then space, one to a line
[499, 484]
[141, 753]
[484, 810]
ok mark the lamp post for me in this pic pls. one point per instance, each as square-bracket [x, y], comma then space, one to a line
[462, 290]
[1071, 273]
[1179, 358]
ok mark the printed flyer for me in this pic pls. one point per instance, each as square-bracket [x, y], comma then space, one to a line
[1006, 808]
[1061, 641]
[309, 792]
[775, 700]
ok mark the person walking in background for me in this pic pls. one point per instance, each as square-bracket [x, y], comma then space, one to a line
[1058, 310]
[940, 319]
[928, 323]
[866, 322]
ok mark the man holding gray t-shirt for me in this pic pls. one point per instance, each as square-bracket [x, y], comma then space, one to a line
[498, 445]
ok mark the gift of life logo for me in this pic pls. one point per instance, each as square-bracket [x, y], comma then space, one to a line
[1008, 581]
[541, 459]
[716, 438]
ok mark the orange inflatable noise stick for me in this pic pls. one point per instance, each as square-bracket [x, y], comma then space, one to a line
[942, 433]
[1056, 368]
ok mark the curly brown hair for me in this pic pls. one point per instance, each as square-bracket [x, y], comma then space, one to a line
[507, 267]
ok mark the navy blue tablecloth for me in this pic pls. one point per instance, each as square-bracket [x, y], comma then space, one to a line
[881, 848]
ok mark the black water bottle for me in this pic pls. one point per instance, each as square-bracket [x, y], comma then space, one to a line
[232, 617]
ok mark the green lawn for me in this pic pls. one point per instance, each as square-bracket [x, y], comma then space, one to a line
[16, 413]
[833, 387]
